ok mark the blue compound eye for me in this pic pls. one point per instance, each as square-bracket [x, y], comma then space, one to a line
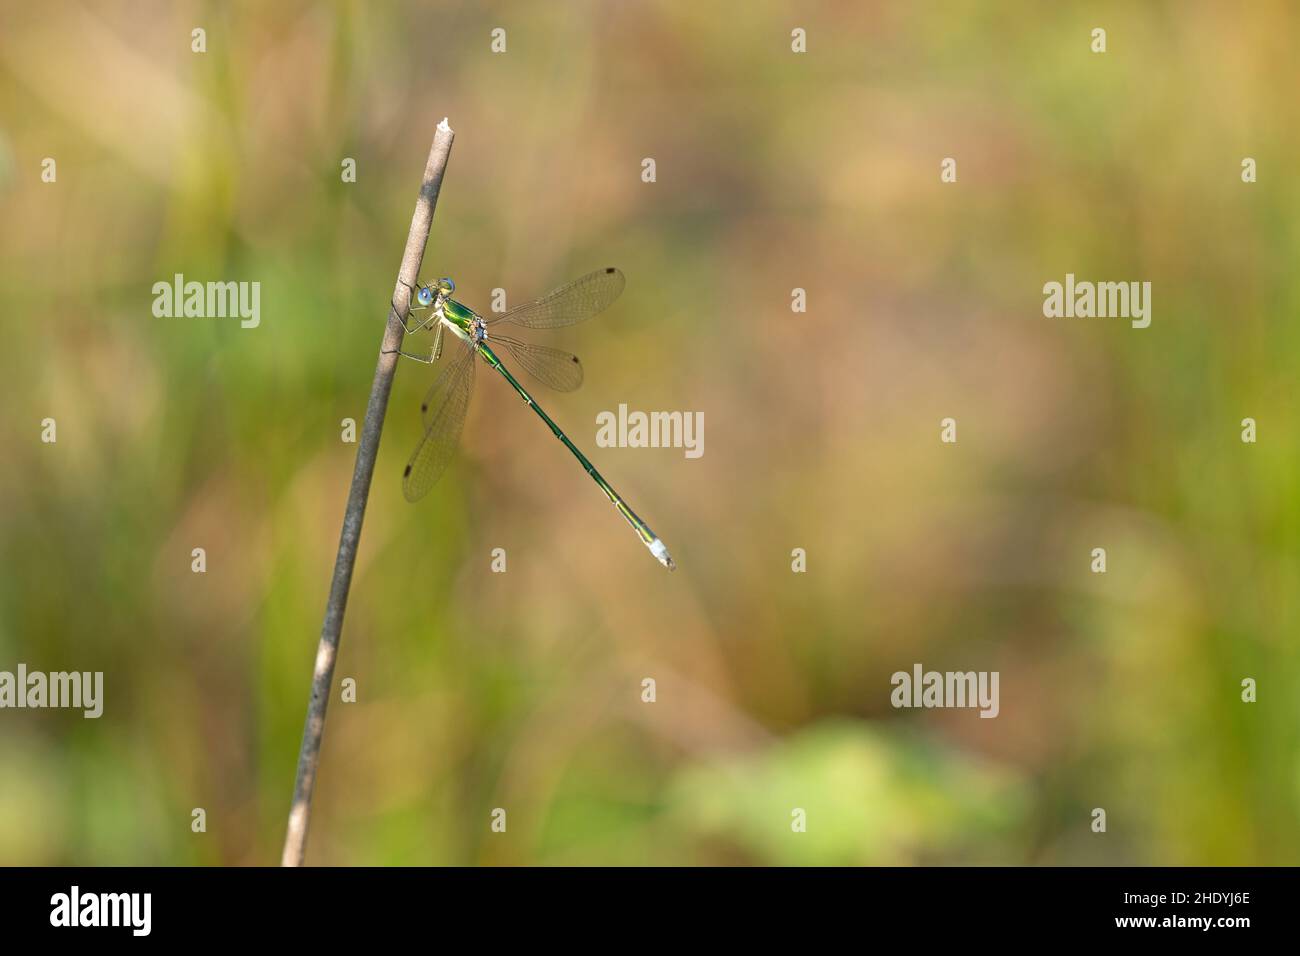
[424, 296]
[446, 286]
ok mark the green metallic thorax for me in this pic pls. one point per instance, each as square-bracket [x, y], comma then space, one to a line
[459, 315]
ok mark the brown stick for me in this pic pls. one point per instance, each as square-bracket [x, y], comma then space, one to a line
[295, 841]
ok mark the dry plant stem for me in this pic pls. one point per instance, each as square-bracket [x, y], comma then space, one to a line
[295, 841]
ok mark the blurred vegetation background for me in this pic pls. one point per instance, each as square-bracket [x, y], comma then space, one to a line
[774, 171]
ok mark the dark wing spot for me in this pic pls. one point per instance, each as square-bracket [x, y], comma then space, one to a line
[575, 360]
[407, 472]
[610, 269]
[424, 407]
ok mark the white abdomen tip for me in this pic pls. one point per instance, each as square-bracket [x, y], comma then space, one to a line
[660, 551]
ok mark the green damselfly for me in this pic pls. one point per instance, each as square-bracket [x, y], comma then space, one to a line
[445, 404]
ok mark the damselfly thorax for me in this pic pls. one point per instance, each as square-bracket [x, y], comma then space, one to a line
[463, 322]
[448, 315]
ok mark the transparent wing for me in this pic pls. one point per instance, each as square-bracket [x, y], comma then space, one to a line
[557, 368]
[453, 350]
[444, 416]
[568, 305]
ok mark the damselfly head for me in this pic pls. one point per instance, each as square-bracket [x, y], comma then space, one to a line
[445, 286]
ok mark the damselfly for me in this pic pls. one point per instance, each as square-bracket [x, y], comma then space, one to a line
[445, 404]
